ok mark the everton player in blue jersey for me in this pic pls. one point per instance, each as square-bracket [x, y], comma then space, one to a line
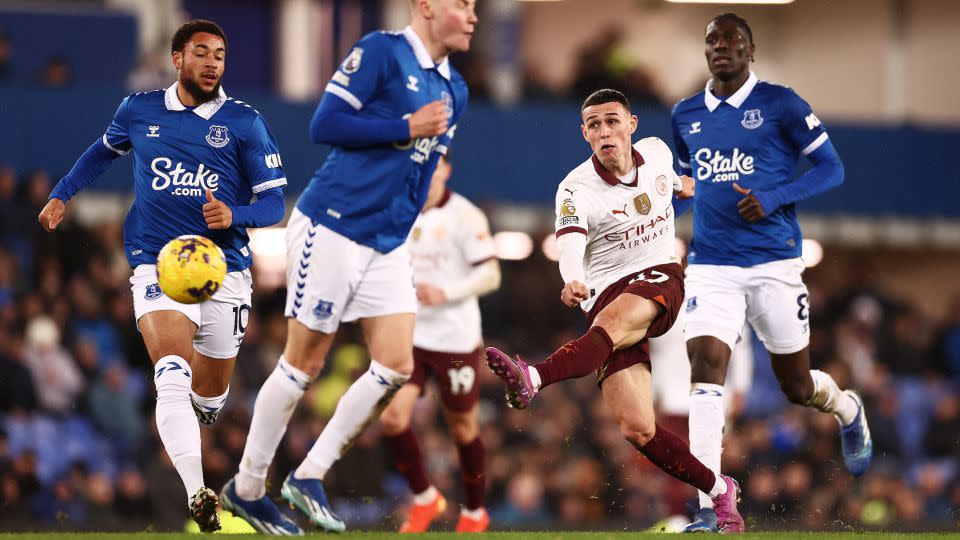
[740, 139]
[389, 111]
[198, 159]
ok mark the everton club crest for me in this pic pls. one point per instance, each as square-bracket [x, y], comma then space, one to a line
[218, 137]
[751, 119]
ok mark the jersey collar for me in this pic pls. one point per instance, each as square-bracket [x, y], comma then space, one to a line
[736, 100]
[423, 57]
[611, 178]
[205, 110]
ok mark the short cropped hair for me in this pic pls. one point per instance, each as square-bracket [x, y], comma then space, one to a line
[606, 95]
[741, 22]
[185, 32]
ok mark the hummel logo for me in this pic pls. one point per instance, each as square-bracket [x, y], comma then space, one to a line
[153, 131]
[412, 83]
[694, 128]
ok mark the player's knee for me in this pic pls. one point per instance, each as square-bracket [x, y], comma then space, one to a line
[464, 429]
[708, 364]
[399, 361]
[393, 421]
[636, 431]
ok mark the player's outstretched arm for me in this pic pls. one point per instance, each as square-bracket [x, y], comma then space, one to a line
[90, 166]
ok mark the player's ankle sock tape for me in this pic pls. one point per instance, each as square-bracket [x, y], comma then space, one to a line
[827, 397]
[211, 404]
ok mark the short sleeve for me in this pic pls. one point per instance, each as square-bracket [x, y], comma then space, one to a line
[683, 153]
[572, 211]
[476, 242]
[117, 136]
[261, 158]
[801, 125]
[363, 71]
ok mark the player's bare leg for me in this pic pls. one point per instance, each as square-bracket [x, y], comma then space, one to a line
[817, 389]
[628, 393]
[428, 503]
[466, 434]
[623, 323]
[389, 341]
[168, 336]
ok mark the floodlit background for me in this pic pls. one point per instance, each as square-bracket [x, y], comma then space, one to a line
[78, 449]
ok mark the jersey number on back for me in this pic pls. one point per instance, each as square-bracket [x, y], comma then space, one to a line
[461, 380]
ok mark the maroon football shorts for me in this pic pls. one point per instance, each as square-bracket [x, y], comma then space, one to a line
[455, 374]
[664, 285]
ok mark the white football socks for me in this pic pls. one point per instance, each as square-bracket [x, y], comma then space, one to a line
[361, 404]
[827, 397]
[178, 426]
[534, 377]
[428, 496]
[276, 401]
[719, 488]
[706, 429]
[215, 402]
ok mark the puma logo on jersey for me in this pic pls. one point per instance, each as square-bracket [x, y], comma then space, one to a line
[412, 83]
[620, 212]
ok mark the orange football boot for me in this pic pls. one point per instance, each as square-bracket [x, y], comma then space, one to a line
[422, 515]
[470, 525]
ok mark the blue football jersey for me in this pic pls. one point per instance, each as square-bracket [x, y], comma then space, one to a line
[753, 138]
[180, 152]
[373, 194]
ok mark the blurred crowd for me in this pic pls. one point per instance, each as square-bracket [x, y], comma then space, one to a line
[78, 448]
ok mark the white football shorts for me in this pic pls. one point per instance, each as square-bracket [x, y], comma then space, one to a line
[221, 321]
[771, 296]
[332, 279]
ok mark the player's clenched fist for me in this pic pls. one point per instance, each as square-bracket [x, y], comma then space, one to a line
[52, 214]
[688, 188]
[216, 212]
[429, 121]
[574, 293]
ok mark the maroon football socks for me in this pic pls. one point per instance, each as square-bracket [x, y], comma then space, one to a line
[409, 459]
[672, 455]
[472, 472]
[577, 358]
